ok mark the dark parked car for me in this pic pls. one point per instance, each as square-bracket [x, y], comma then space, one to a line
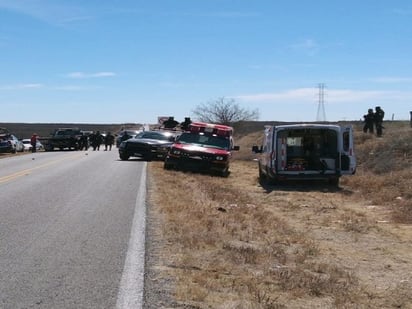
[125, 135]
[148, 145]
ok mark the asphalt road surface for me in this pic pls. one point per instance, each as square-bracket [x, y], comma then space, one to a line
[71, 230]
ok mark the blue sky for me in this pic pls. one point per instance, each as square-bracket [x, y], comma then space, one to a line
[107, 61]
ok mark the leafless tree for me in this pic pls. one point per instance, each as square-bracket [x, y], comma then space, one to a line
[223, 111]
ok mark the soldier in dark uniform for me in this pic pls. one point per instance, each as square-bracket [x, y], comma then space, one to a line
[185, 124]
[170, 123]
[379, 114]
[108, 141]
[83, 142]
[97, 140]
[369, 120]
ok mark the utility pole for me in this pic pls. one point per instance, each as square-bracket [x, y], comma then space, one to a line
[321, 115]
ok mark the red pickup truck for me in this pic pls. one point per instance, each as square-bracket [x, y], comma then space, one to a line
[203, 147]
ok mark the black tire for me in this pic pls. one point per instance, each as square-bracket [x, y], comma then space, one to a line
[225, 173]
[124, 157]
[167, 166]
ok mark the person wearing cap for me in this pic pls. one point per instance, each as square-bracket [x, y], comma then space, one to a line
[33, 142]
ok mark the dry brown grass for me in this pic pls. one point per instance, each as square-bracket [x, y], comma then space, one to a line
[385, 169]
[230, 250]
[231, 243]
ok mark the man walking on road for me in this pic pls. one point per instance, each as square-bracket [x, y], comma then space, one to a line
[33, 142]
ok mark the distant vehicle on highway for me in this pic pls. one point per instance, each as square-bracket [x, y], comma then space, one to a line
[27, 144]
[62, 138]
[148, 145]
[10, 143]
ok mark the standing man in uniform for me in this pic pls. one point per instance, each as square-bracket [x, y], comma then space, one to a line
[170, 123]
[379, 114]
[185, 124]
[369, 120]
[108, 141]
[97, 140]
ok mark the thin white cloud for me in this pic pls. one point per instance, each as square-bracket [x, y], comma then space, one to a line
[310, 95]
[232, 14]
[309, 46]
[21, 86]
[75, 19]
[82, 75]
[48, 11]
[75, 88]
[202, 14]
[296, 94]
[39, 86]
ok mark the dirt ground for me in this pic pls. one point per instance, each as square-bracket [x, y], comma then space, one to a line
[364, 258]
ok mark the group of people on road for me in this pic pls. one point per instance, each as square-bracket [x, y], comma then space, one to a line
[96, 139]
[374, 120]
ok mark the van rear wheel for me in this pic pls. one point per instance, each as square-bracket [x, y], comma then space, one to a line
[262, 176]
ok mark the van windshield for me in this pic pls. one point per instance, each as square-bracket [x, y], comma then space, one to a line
[205, 140]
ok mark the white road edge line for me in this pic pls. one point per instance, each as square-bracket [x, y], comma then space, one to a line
[130, 293]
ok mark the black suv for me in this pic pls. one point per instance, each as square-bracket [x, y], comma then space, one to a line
[148, 145]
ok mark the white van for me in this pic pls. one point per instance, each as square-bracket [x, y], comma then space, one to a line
[306, 151]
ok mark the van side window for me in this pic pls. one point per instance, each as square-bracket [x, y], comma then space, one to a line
[346, 141]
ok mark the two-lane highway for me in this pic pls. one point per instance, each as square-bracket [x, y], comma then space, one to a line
[71, 230]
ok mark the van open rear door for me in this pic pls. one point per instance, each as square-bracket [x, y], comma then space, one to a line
[348, 159]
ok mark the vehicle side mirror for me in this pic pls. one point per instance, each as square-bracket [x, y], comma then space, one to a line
[256, 149]
[236, 148]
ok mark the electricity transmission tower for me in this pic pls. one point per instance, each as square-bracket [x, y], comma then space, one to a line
[321, 115]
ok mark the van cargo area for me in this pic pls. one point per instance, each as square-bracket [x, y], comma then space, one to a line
[306, 151]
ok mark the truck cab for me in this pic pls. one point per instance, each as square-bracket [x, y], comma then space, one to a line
[204, 147]
[306, 151]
